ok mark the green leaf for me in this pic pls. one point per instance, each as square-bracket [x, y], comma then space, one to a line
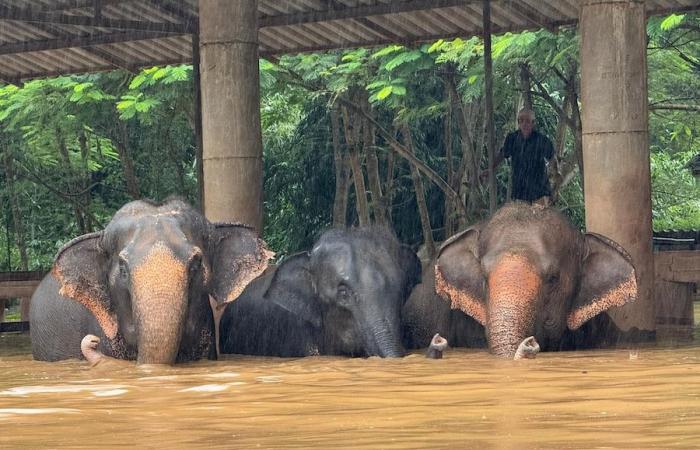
[402, 59]
[160, 73]
[437, 45]
[672, 21]
[384, 93]
[125, 104]
[387, 51]
[398, 90]
[137, 81]
[376, 84]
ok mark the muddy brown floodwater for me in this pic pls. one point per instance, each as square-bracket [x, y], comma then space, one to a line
[468, 399]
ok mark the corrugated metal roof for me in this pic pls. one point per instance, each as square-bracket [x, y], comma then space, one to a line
[50, 37]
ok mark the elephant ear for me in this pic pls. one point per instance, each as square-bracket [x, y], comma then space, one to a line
[292, 288]
[608, 279]
[237, 256]
[79, 268]
[458, 275]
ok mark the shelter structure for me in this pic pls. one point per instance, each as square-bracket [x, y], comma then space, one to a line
[225, 38]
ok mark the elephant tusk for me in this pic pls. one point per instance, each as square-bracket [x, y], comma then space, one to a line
[528, 348]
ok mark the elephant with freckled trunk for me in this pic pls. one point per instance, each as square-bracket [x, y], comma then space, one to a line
[344, 297]
[144, 285]
[526, 271]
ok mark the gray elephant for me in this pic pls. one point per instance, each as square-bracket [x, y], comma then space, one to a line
[144, 285]
[344, 297]
[526, 271]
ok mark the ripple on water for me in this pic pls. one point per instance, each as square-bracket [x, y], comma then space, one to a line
[103, 390]
[468, 399]
[211, 387]
[7, 412]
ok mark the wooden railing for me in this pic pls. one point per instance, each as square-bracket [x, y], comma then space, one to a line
[677, 273]
[18, 285]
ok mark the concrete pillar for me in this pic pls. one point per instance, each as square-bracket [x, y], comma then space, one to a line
[615, 143]
[231, 135]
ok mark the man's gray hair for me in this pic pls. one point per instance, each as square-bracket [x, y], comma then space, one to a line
[527, 111]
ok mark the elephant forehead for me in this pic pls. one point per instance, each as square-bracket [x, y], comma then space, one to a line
[159, 269]
[514, 276]
[336, 257]
[146, 229]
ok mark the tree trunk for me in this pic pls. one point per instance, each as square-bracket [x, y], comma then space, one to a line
[122, 145]
[447, 139]
[389, 185]
[352, 140]
[488, 104]
[84, 181]
[175, 160]
[18, 224]
[368, 139]
[71, 176]
[420, 196]
[402, 151]
[577, 130]
[467, 174]
[525, 86]
[17, 221]
[340, 201]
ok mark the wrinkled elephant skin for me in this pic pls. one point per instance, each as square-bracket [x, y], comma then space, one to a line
[526, 271]
[143, 285]
[344, 297]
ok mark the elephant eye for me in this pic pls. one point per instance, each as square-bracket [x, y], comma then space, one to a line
[343, 292]
[123, 269]
[195, 265]
[553, 278]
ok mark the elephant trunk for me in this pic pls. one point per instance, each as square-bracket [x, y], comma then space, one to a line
[514, 286]
[159, 303]
[385, 340]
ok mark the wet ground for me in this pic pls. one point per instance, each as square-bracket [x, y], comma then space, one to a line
[595, 399]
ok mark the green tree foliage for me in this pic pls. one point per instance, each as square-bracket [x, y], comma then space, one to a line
[76, 148]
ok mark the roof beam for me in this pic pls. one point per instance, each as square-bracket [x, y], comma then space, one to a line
[532, 16]
[408, 41]
[359, 11]
[105, 56]
[175, 10]
[79, 4]
[32, 16]
[79, 41]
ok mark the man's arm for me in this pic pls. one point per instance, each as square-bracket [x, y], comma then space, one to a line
[505, 151]
[499, 157]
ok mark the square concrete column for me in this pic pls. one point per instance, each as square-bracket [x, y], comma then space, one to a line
[615, 142]
[231, 135]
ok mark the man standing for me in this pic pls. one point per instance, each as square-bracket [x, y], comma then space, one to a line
[528, 149]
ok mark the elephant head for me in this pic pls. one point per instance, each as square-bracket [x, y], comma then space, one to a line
[350, 287]
[148, 275]
[527, 271]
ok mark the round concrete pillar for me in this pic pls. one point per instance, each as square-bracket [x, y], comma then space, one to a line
[231, 135]
[615, 143]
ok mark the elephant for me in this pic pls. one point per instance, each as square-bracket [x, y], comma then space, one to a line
[343, 297]
[526, 271]
[144, 284]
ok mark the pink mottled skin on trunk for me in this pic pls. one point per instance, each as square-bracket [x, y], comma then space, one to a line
[514, 286]
[160, 301]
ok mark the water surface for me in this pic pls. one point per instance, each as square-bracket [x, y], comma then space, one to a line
[595, 399]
